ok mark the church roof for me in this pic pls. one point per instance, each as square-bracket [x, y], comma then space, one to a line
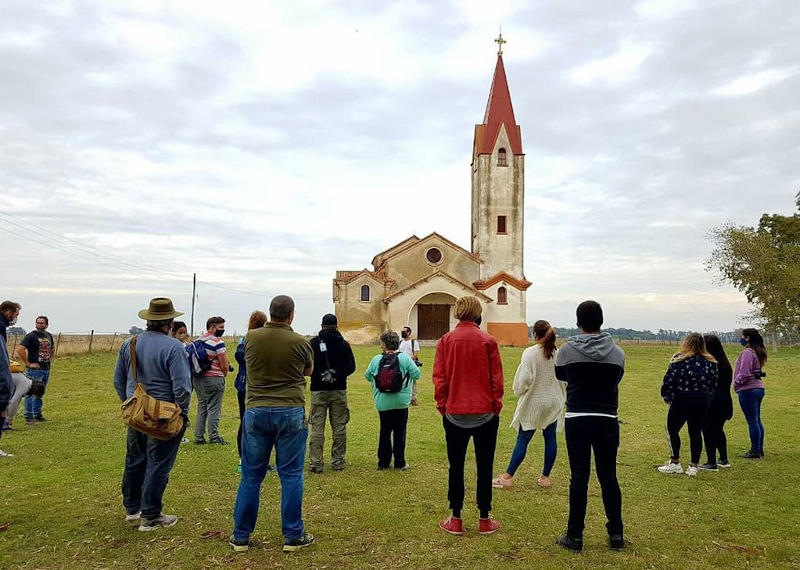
[520, 284]
[408, 243]
[499, 111]
[348, 276]
[437, 273]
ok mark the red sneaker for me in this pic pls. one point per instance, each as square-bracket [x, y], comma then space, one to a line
[488, 526]
[452, 525]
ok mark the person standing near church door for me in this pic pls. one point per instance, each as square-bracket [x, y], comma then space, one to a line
[410, 348]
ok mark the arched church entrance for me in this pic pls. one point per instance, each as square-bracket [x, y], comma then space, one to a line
[432, 315]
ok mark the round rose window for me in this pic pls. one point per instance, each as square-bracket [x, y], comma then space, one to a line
[434, 255]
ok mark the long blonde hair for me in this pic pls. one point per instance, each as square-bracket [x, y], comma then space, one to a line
[693, 345]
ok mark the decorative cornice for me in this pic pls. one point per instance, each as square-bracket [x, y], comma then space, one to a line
[430, 276]
[520, 284]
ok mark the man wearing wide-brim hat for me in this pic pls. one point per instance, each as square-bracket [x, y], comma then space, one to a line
[163, 371]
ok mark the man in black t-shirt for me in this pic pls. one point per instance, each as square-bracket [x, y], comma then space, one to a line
[36, 353]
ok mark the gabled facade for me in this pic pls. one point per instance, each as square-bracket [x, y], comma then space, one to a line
[416, 281]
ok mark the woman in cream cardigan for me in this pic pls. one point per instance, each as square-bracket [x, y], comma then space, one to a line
[540, 404]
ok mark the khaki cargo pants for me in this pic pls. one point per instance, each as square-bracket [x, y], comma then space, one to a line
[331, 403]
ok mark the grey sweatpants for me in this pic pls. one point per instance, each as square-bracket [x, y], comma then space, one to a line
[21, 386]
[209, 390]
[324, 404]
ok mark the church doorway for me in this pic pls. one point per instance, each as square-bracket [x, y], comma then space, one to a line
[433, 315]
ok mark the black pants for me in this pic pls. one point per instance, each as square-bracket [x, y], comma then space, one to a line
[714, 434]
[392, 439]
[687, 408]
[148, 462]
[600, 434]
[484, 440]
[240, 395]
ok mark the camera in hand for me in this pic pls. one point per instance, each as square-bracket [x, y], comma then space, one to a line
[759, 374]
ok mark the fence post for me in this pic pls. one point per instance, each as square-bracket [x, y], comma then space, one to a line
[14, 348]
[58, 343]
[91, 339]
[113, 340]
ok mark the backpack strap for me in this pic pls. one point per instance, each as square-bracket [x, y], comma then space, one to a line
[133, 358]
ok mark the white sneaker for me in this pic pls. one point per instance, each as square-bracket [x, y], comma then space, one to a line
[669, 467]
[4, 454]
[691, 471]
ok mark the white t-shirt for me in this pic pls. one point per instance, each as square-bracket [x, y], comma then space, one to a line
[408, 347]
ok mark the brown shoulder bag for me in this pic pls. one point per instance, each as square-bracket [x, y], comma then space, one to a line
[156, 418]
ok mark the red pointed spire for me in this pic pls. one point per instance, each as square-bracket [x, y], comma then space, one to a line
[498, 112]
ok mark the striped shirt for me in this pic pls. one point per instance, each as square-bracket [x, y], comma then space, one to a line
[214, 347]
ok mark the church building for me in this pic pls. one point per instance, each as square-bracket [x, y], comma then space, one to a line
[417, 281]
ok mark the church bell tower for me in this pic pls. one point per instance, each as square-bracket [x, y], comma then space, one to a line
[498, 210]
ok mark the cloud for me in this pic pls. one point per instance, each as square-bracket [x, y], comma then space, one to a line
[264, 146]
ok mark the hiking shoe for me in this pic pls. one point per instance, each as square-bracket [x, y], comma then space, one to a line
[405, 467]
[315, 469]
[133, 517]
[338, 467]
[691, 471]
[29, 421]
[162, 521]
[751, 455]
[452, 525]
[298, 543]
[616, 542]
[199, 442]
[709, 467]
[488, 526]
[671, 468]
[724, 464]
[544, 481]
[40, 419]
[501, 482]
[219, 441]
[240, 545]
[570, 543]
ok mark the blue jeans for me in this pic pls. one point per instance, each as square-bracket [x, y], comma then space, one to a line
[750, 401]
[521, 448]
[285, 429]
[148, 462]
[33, 404]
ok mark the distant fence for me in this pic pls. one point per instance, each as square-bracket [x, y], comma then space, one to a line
[67, 344]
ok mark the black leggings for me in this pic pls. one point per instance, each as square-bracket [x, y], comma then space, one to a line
[714, 435]
[687, 408]
[240, 395]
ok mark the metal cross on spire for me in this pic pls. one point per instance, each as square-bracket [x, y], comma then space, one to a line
[500, 41]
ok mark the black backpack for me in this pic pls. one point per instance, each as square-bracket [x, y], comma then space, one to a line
[389, 378]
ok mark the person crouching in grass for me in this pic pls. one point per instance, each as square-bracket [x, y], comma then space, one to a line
[392, 375]
[688, 384]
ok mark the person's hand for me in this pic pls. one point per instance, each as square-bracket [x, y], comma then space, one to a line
[33, 366]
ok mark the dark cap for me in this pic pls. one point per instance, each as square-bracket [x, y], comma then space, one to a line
[329, 320]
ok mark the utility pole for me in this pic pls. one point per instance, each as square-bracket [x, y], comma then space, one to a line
[194, 294]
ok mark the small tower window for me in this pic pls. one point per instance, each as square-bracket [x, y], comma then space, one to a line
[501, 224]
[365, 292]
[501, 157]
[502, 296]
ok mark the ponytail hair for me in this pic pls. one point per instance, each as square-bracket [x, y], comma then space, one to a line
[756, 342]
[545, 336]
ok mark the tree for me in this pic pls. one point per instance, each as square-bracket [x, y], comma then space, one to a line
[763, 263]
[16, 330]
[135, 330]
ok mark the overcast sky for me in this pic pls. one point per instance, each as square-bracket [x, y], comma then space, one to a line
[264, 145]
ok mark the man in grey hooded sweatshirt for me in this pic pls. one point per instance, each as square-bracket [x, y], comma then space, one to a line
[592, 365]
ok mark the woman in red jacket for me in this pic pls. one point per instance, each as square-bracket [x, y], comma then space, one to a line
[468, 387]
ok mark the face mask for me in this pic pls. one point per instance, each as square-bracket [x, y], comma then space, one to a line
[220, 333]
[743, 342]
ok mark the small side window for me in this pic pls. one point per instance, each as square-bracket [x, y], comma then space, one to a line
[502, 296]
[365, 292]
[501, 157]
[501, 224]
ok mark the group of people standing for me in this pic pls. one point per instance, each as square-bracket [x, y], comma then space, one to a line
[697, 388]
[27, 376]
[572, 388]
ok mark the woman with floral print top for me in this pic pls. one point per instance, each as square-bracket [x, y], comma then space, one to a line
[688, 384]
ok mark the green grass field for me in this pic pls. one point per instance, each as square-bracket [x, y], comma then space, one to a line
[60, 495]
